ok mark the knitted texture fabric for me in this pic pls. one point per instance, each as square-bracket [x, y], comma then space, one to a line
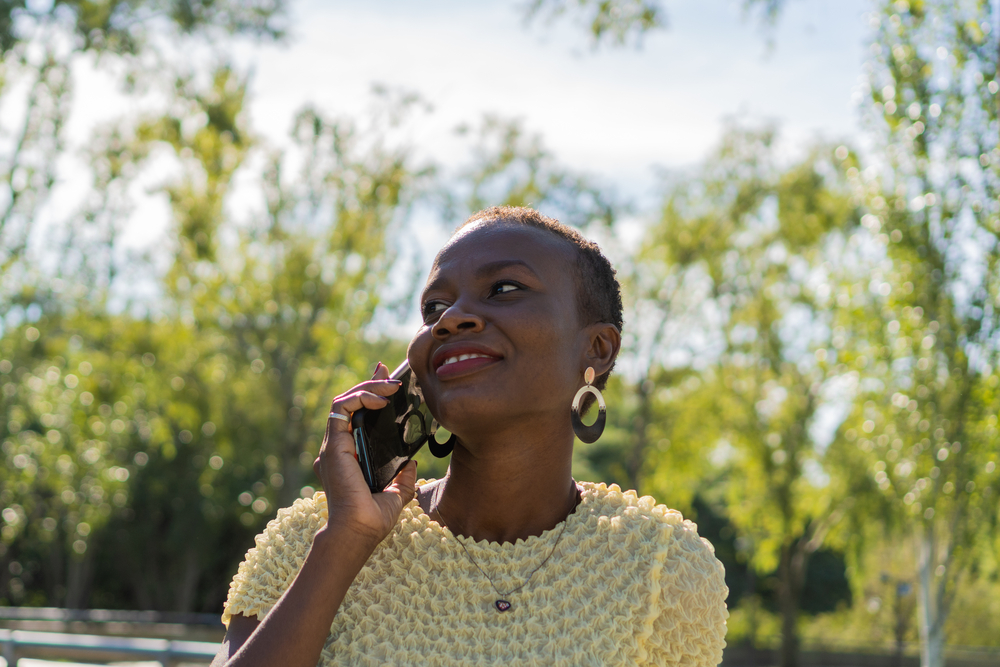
[629, 583]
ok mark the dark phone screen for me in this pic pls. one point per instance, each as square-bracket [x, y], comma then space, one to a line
[386, 439]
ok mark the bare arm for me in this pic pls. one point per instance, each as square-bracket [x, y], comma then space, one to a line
[239, 631]
[295, 630]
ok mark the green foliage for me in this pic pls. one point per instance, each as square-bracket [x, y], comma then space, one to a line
[197, 423]
[924, 331]
[209, 408]
[757, 241]
[122, 26]
[40, 43]
[623, 22]
[617, 21]
[61, 482]
[810, 356]
[513, 168]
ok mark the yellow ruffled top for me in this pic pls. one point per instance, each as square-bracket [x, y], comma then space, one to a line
[629, 583]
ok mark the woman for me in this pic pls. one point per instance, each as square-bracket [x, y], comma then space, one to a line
[506, 559]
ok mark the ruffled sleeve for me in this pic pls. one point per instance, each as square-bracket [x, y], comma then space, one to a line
[690, 627]
[277, 556]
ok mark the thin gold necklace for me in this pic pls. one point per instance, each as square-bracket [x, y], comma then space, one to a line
[502, 603]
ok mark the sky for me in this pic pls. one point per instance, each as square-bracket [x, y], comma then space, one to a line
[615, 113]
[618, 114]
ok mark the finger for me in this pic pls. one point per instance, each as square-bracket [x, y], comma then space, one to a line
[380, 387]
[395, 496]
[384, 387]
[405, 481]
[381, 372]
[336, 440]
[345, 405]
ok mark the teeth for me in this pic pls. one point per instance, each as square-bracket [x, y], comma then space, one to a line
[463, 357]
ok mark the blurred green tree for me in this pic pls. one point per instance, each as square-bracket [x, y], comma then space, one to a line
[751, 246]
[59, 483]
[922, 315]
[77, 418]
[617, 21]
[623, 22]
[220, 392]
[40, 43]
[511, 167]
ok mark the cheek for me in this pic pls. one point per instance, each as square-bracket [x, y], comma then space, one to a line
[417, 353]
[553, 344]
[554, 328]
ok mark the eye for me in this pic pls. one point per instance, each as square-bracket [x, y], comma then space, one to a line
[432, 308]
[504, 286]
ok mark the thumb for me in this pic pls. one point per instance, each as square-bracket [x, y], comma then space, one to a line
[401, 491]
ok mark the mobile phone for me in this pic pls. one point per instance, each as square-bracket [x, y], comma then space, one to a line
[385, 439]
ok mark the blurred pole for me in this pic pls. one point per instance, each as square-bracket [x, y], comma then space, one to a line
[902, 610]
[903, 589]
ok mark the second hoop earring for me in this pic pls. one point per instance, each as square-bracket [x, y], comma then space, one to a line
[440, 449]
[589, 434]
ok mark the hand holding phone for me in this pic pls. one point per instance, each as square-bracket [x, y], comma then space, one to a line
[350, 503]
[387, 438]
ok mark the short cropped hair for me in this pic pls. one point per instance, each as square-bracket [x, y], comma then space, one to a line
[599, 295]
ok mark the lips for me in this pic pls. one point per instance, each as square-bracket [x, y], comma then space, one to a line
[455, 360]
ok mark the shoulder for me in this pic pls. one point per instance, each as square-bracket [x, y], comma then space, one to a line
[683, 560]
[295, 523]
[276, 557]
[627, 511]
[686, 624]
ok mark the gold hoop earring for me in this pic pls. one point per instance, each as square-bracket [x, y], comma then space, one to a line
[440, 449]
[589, 434]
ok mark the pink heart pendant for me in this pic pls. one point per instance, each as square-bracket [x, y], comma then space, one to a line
[502, 605]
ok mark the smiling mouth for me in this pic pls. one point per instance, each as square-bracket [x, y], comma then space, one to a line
[463, 357]
[465, 362]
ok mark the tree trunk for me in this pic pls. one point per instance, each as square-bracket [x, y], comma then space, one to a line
[640, 426]
[78, 579]
[141, 594]
[293, 434]
[931, 613]
[899, 611]
[4, 568]
[789, 590]
[56, 570]
[188, 585]
[292, 473]
[751, 594]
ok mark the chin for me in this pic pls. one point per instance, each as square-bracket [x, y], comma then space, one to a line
[466, 417]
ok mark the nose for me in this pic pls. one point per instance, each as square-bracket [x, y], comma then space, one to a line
[457, 320]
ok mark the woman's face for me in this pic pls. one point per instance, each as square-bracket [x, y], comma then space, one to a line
[502, 341]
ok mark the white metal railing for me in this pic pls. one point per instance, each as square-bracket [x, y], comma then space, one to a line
[56, 614]
[17, 644]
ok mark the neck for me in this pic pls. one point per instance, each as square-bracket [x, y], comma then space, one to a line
[507, 487]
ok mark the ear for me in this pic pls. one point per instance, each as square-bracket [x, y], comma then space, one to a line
[603, 341]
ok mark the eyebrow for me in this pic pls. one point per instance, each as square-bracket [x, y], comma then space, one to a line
[488, 269]
[493, 267]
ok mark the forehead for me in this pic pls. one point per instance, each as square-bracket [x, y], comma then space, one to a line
[477, 245]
